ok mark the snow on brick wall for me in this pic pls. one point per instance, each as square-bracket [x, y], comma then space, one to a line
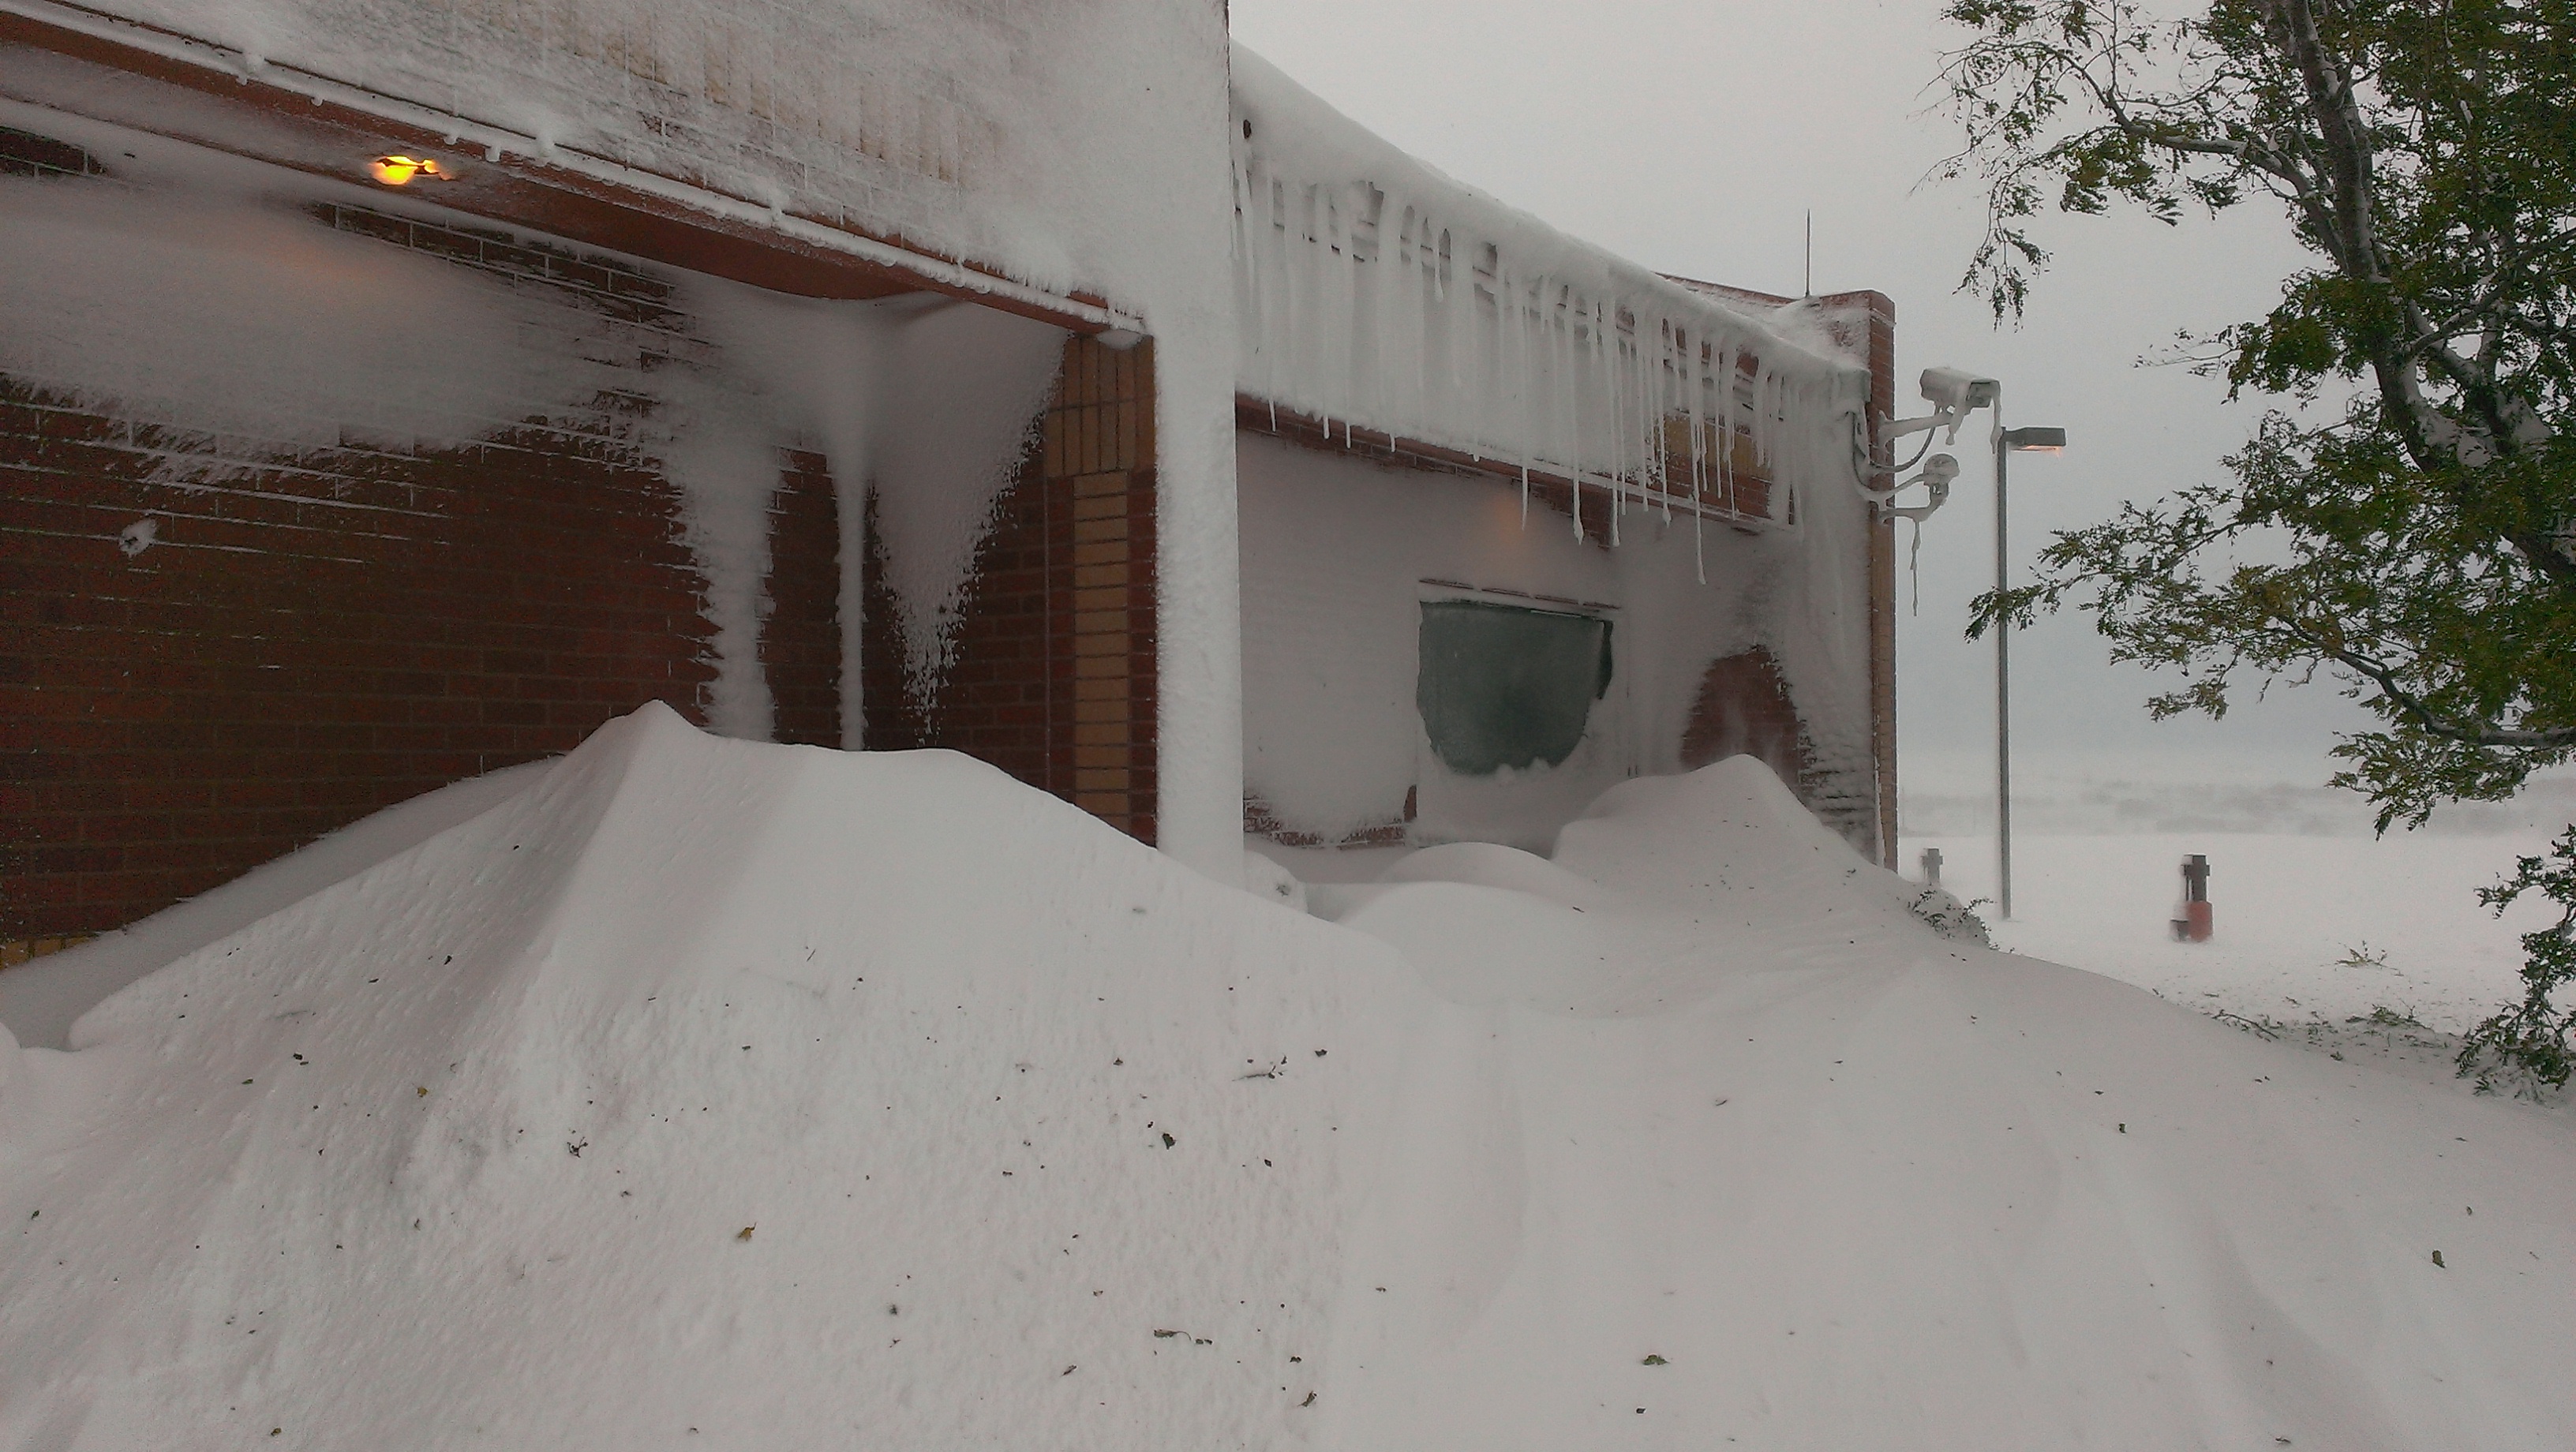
[300, 642]
[962, 403]
[198, 290]
[318, 505]
[1048, 669]
[180, 282]
[1071, 148]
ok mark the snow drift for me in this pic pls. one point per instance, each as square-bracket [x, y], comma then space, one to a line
[714, 1094]
[1885, 1190]
[774, 1094]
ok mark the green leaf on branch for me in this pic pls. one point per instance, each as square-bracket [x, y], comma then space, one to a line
[2414, 545]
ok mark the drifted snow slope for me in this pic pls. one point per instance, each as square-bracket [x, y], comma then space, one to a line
[918, 1029]
[1698, 1089]
[1862, 1187]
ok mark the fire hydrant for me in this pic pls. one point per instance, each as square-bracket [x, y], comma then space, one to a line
[2195, 925]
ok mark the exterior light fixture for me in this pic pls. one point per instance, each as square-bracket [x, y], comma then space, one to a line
[401, 171]
[2008, 442]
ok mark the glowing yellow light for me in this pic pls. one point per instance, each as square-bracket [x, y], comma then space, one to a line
[395, 171]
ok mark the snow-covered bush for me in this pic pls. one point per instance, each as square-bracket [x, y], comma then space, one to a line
[1950, 917]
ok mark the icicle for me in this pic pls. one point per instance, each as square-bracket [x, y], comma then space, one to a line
[1693, 375]
[1605, 368]
[1729, 371]
[1647, 372]
[1691, 421]
[1653, 396]
[1914, 567]
[1699, 543]
[1609, 370]
[1525, 376]
[1332, 256]
[1622, 389]
[1507, 295]
[1429, 314]
[1283, 334]
[1675, 382]
[1296, 300]
[1639, 443]
[1574, 413]
[1465, 314]
[1372, 304]
[1666, 371]
[1623, 407]
[1411, 301]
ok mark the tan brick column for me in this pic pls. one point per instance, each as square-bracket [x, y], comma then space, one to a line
[1100, 460]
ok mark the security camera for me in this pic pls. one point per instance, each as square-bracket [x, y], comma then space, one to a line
[1954, 392]
[1953, 395]
[1937, 473]
[1934, 476]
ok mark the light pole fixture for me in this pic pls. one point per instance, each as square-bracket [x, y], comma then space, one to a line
[2008, 442]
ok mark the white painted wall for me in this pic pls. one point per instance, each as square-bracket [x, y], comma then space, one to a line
[1335, 550]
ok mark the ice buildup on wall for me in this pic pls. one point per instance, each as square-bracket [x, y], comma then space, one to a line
[959, 409]
[212, 292]
[1375, 292]
[929, 402]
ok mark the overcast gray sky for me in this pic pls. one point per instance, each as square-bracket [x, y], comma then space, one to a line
[1694, 135]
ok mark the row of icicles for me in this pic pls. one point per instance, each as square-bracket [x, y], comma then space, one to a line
[1655, 401]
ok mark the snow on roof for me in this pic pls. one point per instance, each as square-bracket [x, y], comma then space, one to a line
[1373, 289]
[1043, 148]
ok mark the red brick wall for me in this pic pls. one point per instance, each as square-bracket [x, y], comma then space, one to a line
[1053, 674]
[275, 664]
[800, 641]
[1743, 709]
[1880, 346]
[1863, 326]
[1008, 665]
[896, 718]
[316, 633]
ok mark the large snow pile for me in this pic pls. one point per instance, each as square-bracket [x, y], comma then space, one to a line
[713, 1094]
[789, 1096]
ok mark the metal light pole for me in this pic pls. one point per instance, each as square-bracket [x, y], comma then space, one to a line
[2007, 443]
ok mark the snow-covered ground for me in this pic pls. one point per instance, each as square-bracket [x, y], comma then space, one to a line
[700, 1093]
[2349, 943]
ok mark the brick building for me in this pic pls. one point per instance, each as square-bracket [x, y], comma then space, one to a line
[386, 402]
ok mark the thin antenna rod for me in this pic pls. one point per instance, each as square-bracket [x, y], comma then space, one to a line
[1811, 253]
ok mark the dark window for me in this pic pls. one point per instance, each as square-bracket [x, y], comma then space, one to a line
[24, 153]
[1504, 685]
